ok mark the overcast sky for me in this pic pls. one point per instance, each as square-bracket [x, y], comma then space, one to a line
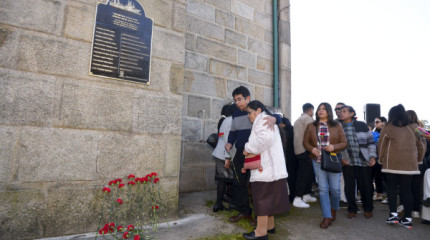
[359, 52]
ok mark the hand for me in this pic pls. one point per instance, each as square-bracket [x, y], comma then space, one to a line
[372, 162]
[270, 121]
[345, 162]
[329, 148]
[228, 147]
[227, 163]
[245, 153]
[316, 152]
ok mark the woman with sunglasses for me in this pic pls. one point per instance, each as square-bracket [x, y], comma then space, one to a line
[377, 175]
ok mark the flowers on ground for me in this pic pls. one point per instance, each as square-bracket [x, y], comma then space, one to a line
[119, 200]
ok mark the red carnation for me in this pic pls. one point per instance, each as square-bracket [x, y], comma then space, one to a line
[106, 190]
[119, 228]
[137, 237]
[131, 176]
[119, 180]
[153, 174]
[130, 228]
[121, 185]
[156, 180]
[155, 207]
[111, 183]
[119, 200]
[125, 235]
[131, 183]
[220, 134]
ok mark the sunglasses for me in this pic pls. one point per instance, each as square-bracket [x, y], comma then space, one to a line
[377, 122]
[338, 109]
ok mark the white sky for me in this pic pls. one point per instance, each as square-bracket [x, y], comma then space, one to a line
[359, 52]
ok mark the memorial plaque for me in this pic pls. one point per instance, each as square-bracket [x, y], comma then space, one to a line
[122, 41]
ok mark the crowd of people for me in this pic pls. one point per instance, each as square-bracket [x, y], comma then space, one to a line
[264, 160]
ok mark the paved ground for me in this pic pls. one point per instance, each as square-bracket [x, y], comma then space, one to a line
[198, 221]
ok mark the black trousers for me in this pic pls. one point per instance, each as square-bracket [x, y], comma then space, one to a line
[240, 197]
[404, 182]
[362, 178]
[304, 175]
[417, 190]
[379, 177]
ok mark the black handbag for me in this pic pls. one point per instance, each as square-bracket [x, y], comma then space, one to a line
[331, 162]
[213, 140]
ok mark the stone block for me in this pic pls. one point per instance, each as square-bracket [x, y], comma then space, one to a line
[231, 85]
[160, 75]
[20, 213]
[210, 178]
[284, 32]
[191, 129]
[285, 52]
[285, 13]
[227, 70]
[184, 111]
[249, 28]
[285, 89]
[247, 59]
[196, 61]
[268, 6]
[172, 163]
[224, 18]
[79, 21]
[160, 11]
[204, 28]
[190, 41]
[199, 107]
[264, 19]
[47, 154]
[176, 78]
[179, 17]
[258, 4]
[197, 154]
[201, 9]
[234, 38]
[169, 193]
[9, 141]
[157, 113]
[222, 4]
[259, 77]
[209, 127]
[260, 47]
[27, 98]
[217, 105]
[216, 49]
[192, 179]
[264, 64]
[96, 107]
[8, 47]
[121, 154]
[41, 15]
[205, 84]
[264, 94]
[268, 35]
[49, 54]
[242, 9]
[168, 45]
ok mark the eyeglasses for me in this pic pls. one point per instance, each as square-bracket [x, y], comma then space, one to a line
[338, 109]
[377, 122]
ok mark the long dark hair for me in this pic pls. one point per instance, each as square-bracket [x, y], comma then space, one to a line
[255, 104]
[397, 116]
[412, 115]
[329, 110]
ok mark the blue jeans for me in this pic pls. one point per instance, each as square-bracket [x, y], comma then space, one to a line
[329, 189]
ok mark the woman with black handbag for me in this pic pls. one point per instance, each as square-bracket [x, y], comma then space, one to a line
[326, 137]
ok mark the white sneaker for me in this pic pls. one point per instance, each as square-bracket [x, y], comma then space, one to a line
[415, 214]
[308, 198]
[299, 203]
[400, 208]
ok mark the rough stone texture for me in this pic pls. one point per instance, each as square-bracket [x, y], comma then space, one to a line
[242, 9]
[268, 35]
[190, 41]
[196, 61]
[179, 17]
[264, 94]
[199, 107]
[264, 64]
[8, 47]
[192, 178]
[79, 21]
[285, 88]
[284, 27]
[170, 45]
[177, 78]
[202, 83]
[169, 192]
[247, 59]
[249, 28]
[41, 15]
[197, 154]
[285, 50]
[227, 70]
[86, 106]
[209, 127]
[260, 47]
[235, 38]
[172, 162]
[285, 7]
[222, 4]
[9, 141]
[224, 18]
[210, 177]
[160, 75]
[191, 130]
[207, 29]
[200, 9]
[258, 4]
[160, 11]
[216, 108]
[216, 49]
[259, 77]
[56, 155]
[264, 19]
[157, 113]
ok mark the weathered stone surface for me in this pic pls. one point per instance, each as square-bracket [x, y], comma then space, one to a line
[197, 154]
[8, 47]
[247, 59]
[200, 9]
[120, 154]
[258, 4]
[169, 188]
[157, 113]
[268, 35]
[249, 28]
[268, 8]
[242, 9]
[264, 64]
[285, 51]
[235, 38]
[224, 18]
[190, 41]
[47, 154]
[205, 84]
[86, 106]
[216, 49]
[173, 157]
[79, 21]
[209, 127]
[160, 75]
[227, 70]
[199, 107]
[9, 140]
[196, 61]
[259, 77]
[264, 19]
[284, 32]
[169, 45]
[285, 89]
[19, 213]
[222, 4]
[285, 13]
[192, 179]
[210, 177]
[231, 85]
[202, 27]
[176, 78]
[217, 105]
[260, 47]
[159, 10]
[48, 54]
[27, 98]
[179, 17]
[264, 94]
[184, 104]
[191, 130]
[45, 16]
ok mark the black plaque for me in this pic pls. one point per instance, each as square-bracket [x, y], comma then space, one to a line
[122, 41]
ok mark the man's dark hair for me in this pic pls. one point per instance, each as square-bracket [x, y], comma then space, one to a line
[307, 106]
[351, 109]
[340, 103]
[241, 91]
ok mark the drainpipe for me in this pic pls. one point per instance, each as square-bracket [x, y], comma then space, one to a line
[275, 55]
